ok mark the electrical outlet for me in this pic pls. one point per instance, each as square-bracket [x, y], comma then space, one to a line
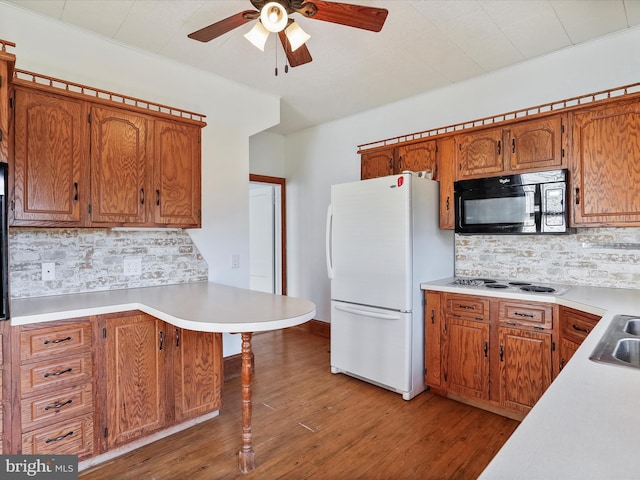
[132, 266]
[48, 272]
[235, 261]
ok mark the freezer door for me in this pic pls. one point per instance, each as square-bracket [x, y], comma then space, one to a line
[369, 242]
[372, 344]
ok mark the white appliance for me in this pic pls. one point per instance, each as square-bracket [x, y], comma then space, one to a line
[383, 239]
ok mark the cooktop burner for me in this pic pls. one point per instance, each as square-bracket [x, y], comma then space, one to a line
[537, 289]
[516, 285]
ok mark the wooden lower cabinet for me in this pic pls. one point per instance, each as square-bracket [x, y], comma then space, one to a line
[525, 367]
[466, 361]
[575, 325]
[135, 378]
[88, 385]
[491, 352]
[197, 372]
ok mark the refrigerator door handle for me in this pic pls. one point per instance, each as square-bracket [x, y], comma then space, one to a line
[328, 242]
[367, 313]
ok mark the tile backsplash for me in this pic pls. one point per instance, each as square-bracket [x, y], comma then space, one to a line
[88, 260]
[606, 257]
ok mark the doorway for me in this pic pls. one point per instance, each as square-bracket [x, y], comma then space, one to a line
[267, 234]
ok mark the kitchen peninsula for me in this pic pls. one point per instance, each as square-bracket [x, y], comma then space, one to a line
[199, 306]
[585, 424]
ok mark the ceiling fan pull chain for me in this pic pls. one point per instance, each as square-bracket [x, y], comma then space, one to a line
[276, 58]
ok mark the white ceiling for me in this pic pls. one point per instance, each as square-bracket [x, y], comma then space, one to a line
[424, 44]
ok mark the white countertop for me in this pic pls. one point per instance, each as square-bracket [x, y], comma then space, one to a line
[587, 424]
[201, 306]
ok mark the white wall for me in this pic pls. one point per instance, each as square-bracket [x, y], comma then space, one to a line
[234, 113]
[321, 156]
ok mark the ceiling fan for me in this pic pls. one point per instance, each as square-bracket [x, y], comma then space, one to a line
[273, 16]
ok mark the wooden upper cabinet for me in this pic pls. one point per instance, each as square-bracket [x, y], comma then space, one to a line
[177, 196]
[536, 144]
[605, 155]
[121, 150]
[445, 158]
[50, 172]
[530, 145]
[377, 164]
[480, 153]
[417, 157]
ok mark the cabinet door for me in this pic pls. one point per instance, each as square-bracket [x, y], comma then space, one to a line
[417, 157]
[197, 372]
[467, 357]
[135, 377]
[377, 164]
[525, 367]
[120, 144]
[177, 174]
[480, 153]
[605, 154]
[445, 157]
[567, 349]
[536, 145]
[50, 167]
[432, 341]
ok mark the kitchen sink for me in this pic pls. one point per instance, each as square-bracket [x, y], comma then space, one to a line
[633, 326]
[620, 344]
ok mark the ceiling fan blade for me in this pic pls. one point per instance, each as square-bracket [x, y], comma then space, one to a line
[357, 16]
[214, 30]
[299, 57]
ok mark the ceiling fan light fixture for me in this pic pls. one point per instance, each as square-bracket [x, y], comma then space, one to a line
[274, 17]
[296, 36]
[258, 35]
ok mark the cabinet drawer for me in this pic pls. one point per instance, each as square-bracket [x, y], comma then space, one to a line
[68, 371]
[467, 306]
[526, 314]
[45, 342]
[576, 325]
[72, 437]
[56, 406]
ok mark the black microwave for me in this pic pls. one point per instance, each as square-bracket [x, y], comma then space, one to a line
[526, 203]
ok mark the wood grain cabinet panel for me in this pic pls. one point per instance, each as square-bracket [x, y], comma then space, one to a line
[525, 367]
[71, 437]
[197, 366]
[467, 357]
[536, 144]
[526, 314]
[45, 342]
[57, 405]
[50, 172]
[433, 339]
[56, 373]
[177, 175]
[135, 377]
[417, 157]
[605, 165]
[377, 164]
[575, 325]
[480, 153]
[121, 151]
[445, 158]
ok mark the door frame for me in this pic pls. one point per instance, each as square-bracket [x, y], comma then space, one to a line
[282, 182]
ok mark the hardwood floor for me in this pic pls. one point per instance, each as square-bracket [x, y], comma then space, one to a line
[308, 423]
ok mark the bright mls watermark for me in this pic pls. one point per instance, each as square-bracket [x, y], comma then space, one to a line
[39, 467]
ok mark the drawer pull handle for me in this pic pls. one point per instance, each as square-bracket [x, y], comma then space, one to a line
[59, 340]
[577, 328]
[468, 307]
[525, 315]
[486, 349]
[55, 374]
[433, 313]
[58, 405]
[57, 439]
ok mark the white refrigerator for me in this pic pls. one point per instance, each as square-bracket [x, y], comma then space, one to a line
[382, 240]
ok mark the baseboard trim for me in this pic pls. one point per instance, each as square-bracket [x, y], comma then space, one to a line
[316, 327]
